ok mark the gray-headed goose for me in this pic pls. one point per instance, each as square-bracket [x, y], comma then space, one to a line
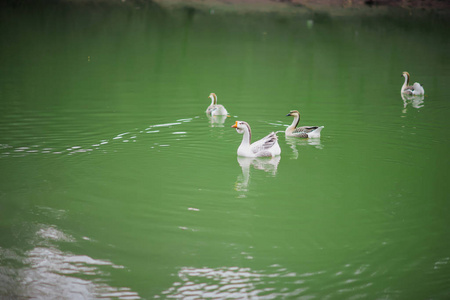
[304, 131]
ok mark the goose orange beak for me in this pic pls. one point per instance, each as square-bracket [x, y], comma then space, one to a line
[234, 126]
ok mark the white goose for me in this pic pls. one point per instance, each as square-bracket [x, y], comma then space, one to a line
[215, 109]
[267, 146]
[415, 89]
[304, 131]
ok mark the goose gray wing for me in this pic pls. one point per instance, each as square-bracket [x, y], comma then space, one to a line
[265, 143]
[304, 130]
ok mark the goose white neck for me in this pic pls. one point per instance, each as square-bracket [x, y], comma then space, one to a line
[213, 99]
[247, 136]
[406, 81]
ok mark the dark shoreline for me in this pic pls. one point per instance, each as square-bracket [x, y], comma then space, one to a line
[287, 7]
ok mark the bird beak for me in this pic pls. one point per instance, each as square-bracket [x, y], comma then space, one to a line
[234, 126]
[288, 114]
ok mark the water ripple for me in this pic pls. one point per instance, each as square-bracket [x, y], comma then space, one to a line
[231, 282]
[48, 144]
[273, 282]
[50, 273]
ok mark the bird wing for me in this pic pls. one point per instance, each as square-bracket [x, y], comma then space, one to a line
[219, 109]
[304, 130]
[417, 89]
[210, 109]
[265, 143]
[409, 90]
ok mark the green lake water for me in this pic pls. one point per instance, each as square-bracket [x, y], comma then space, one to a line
[115, 184]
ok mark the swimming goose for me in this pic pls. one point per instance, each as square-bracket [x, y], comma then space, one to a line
[415, 89]
[215, 109]
[267, 146]
[304, 131]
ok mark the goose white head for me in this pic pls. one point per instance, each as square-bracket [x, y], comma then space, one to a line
[241, 126]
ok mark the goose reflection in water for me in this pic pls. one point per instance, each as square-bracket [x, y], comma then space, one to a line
[266, 164]
[216, 121]
[293, 142]
[416, 101]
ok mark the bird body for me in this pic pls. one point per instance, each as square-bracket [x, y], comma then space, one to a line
[215, 109]
[267, 146]
[415, 89]
[303, 131]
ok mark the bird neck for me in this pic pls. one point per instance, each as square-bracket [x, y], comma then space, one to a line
[294, 123]
[213, 99]
[406, 80]
[247, 136]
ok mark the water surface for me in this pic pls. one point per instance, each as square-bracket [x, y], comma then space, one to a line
[115, 184]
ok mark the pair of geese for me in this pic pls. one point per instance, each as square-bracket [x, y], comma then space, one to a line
[268, 145]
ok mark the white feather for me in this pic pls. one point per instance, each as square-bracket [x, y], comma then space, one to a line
[417, 89]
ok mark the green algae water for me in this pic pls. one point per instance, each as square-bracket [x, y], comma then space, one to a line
[115, 184]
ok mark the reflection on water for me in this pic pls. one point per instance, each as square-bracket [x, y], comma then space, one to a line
[415, 101]
[121, 143]
[217, 121]
[293, 142]
[266, 164]
[50, 273]
[274, 282]
[229, 283]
